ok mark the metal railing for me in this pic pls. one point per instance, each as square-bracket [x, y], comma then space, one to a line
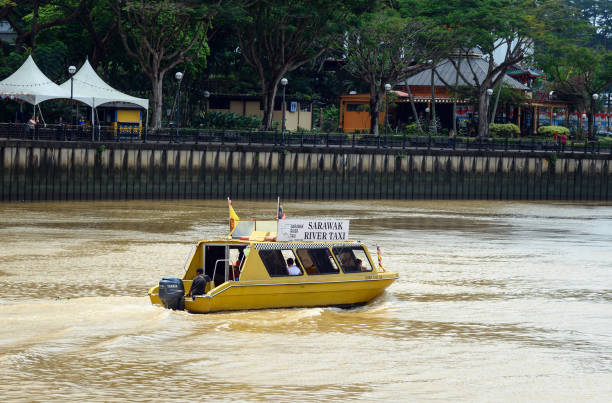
[125, 132]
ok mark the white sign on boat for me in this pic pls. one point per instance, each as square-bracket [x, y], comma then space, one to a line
[312, 230]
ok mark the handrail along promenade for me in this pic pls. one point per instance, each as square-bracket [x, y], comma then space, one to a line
[132, 133]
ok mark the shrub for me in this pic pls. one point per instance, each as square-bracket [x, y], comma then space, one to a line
[503, 130]
[549, 131]
[329, 118]
[229, 120]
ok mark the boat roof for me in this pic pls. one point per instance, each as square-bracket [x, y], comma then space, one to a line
[272, 245]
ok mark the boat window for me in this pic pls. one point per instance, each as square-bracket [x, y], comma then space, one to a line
[352, 259]
[275, 261]
[318, 261]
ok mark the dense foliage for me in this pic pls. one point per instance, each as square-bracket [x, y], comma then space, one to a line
[549, 131]
[323, 47]
[504, 130]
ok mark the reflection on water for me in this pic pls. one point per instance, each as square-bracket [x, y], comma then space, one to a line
[495, 301]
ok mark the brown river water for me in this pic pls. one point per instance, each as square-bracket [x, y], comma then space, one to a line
[496, 301]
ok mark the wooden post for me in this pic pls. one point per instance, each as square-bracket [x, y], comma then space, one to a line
[551, 114]
[535, 120]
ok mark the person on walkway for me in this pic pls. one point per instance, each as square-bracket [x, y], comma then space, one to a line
[563, 141]
[59, 130]
[30, 127]
[451, 138]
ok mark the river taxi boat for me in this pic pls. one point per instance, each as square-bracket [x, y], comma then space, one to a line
[248, 269]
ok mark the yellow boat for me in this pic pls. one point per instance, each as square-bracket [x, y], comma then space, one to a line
[248, 270]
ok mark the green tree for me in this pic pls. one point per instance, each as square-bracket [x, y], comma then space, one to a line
[503, 28]
[160, 35]
[385, 48]
[575, 62]
[276, 38]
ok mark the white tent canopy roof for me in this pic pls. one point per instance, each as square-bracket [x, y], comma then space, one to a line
[29, 84]
[90, 89]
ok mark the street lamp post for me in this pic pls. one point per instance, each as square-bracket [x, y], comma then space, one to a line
[206, 96]
[595, 97]
[71, 71]
[608, 96]
[427, 117]
[179, 77]
[387, 89]
[489, 93]
[284, 83]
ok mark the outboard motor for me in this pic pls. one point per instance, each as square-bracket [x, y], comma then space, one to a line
[172, 293]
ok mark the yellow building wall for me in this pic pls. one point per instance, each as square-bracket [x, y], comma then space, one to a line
[295, 120]
[252, 109]
[236, 107]
[128, 115]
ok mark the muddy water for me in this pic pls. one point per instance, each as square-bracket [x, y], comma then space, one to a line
[495, 302]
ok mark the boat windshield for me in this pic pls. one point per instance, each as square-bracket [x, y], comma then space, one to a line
[254, 228]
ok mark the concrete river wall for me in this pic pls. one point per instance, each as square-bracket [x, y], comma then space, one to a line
[32, 171]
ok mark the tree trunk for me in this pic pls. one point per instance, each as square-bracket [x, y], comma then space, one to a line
[157, 87]
[591, 120]
[414, 111]
[269, 95]
[376, 97]
[494, 110]
[455, 89]
[483, 113]
[433, 126]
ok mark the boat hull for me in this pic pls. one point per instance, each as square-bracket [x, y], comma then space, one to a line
[238, 295]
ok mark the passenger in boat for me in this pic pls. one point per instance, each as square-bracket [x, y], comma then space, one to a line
[236, 266]
[198, 286]
[292, 269]
[359, 265]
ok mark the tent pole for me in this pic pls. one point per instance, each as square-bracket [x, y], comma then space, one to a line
[93, 123]
[144, 140]
[41, 115]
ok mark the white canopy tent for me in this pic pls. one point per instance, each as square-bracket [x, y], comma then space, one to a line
[90, 89]
[29, 84]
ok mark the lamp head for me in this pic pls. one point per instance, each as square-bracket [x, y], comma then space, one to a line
[427, 110]
[71, 70]
[595, 97]
[284, 81]
[387, 87]
[550, 94]
[178, 75]
[206, 94]
[489, 92]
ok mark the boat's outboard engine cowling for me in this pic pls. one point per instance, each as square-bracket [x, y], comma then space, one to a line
[172, 293]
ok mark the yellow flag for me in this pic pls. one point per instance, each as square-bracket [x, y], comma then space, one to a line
[233, 217]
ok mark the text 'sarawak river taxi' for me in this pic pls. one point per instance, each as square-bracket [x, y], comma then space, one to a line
[248, 269]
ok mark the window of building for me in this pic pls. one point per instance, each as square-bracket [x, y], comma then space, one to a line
[357, 108]
[352, 259]
[318, 261]
[219, 103]
[275, 261]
